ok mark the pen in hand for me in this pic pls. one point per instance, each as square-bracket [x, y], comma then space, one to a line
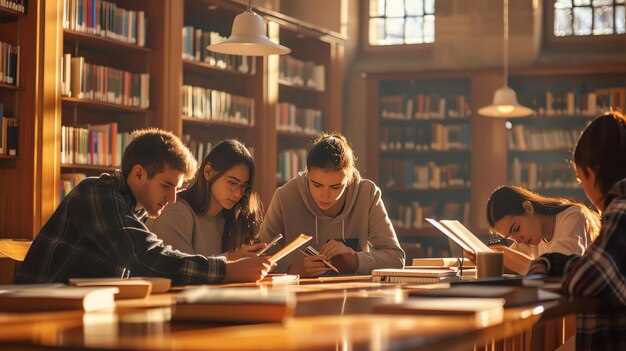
[309, 251]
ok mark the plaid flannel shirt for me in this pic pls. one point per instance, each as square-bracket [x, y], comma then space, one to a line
[601, 271]
[96, 232]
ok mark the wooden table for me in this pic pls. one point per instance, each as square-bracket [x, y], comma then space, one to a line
[336, 319]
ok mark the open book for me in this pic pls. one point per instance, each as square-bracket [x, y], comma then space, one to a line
[287, 249]
[234, 305]
[460, 235]
[55, 297]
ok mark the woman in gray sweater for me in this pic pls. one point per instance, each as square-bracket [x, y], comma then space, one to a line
[218, 215]
[331, 202]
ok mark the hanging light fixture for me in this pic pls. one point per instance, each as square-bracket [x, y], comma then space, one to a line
[248, 38]
[505, 103]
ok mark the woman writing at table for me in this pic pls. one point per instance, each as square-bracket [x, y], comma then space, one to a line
[332, 203]
[539, 225]
[219, 214]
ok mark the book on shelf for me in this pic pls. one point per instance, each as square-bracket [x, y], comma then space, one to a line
[413, 275]
[479, 311]
[128, 288]
[8, 136]
[234, 305]
[460, 235]
[55, 297]
[512, 295]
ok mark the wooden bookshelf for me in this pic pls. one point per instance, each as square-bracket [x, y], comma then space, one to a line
[565, 100]
[30, 181]
[550, 135]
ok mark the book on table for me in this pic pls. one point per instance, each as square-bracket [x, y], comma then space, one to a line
[55, 297]
[128, 288]
[441, 262]
[456, 231]
[480, 312]
[234, 305]
[512, 295]
[413, 275]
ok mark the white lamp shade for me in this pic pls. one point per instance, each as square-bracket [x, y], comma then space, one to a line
[248, 38]
[505, 105]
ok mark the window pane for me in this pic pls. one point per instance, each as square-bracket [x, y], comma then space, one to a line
[563, 22]
[562, 4]
[377, 8]
[414, 7]
[619, 20]
[429, 29]
[429, 7]
[602, 2]
[394, 31]
[582, 20]
[377, 31]
[603, 20]
[395, 8]
[620, 1]
[413, 30]
[582, 2]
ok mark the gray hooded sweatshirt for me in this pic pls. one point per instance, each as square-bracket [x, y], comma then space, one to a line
[293, 211]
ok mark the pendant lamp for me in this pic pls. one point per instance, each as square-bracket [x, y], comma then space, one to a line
[505, 103]
[248, 38]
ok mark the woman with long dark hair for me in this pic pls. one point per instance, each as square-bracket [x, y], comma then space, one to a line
[538, 225]
[218, 214]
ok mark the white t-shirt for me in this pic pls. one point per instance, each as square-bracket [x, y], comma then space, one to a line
[179, 226]
[570, 236]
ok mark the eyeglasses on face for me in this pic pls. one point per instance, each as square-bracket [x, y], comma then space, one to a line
[233, 186]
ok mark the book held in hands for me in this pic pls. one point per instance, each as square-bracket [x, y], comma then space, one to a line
[234, 305]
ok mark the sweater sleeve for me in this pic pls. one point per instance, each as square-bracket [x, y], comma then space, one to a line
[385, 251]
[175, 227]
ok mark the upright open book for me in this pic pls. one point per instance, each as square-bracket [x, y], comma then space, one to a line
[460, 235]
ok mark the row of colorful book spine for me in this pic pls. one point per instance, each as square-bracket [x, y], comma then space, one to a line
[86, 81]
[215, 105]
[105, 19]
[195, 42]
[403, 174]
[537, 176]
[290, 162]
[291, 118]
[14, 5]
[9, 63]
[524, 138]
[8, 134]
[573, 102]
[302, 73]
[94, 145]
[435, 136]
[424, 107]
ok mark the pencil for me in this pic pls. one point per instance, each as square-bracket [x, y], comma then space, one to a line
[328, 264]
